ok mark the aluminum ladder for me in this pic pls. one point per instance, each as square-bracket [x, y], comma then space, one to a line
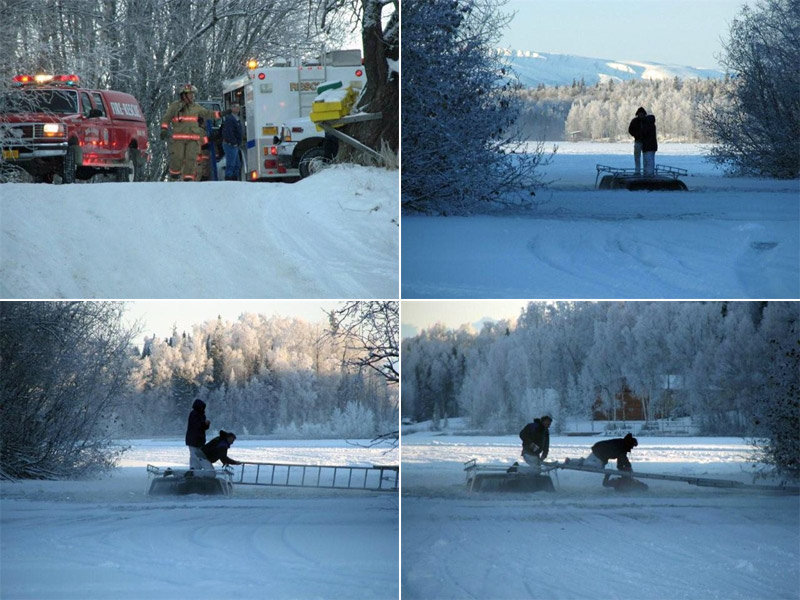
[380, 478]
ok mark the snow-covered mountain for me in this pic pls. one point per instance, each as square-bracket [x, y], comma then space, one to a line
[534, 68]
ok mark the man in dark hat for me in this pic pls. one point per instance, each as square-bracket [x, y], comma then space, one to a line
[217, 449]
[536, 441]
[617, 448]
[635, 129]
[196, 432]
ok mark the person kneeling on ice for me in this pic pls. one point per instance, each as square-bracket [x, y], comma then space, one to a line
[617, 448]
[536, 441]
[217, 449]
[624, 484]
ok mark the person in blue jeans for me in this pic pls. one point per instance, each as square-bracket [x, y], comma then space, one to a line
[231, 139]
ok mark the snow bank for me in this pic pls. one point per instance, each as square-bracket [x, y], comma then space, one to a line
[585, 541]
[105, 539]
[334, 235]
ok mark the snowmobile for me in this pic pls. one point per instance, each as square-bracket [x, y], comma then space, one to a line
[665, 179]
[179, 481]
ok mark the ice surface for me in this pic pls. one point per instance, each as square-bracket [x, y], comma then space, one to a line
[725, 238]
[105, 539]
[675, 541]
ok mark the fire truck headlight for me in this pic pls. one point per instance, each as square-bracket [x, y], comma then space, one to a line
[53, 129]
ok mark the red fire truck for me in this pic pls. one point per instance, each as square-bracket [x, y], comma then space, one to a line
[55, 129]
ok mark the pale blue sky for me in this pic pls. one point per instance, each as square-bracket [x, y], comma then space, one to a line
[416, 315]
[160, 315]
[684, 32]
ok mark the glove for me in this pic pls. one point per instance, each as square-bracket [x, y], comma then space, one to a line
[164, 134]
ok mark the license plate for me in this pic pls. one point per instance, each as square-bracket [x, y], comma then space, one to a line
[11, 154]
[269, 131]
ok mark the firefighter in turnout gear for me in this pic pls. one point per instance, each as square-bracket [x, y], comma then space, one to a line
[187, 135]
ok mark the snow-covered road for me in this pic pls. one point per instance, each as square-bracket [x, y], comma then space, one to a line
[334, 235]
[102, 539]
[673, 542]
[726, 238]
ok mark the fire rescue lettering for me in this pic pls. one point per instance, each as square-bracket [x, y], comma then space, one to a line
[304, 86]
[121, 108]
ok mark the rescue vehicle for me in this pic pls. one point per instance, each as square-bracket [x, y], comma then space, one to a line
[55, 129]
[275, 105]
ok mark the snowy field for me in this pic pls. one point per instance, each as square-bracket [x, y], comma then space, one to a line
[725, 238]
[105, 539]
[334, 235]
[673, 542]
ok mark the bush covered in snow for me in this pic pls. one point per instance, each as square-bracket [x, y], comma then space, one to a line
[757, 127]
[460, 148]
[63, 366]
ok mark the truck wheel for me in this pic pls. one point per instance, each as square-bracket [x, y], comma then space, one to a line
[312, 162]
[68, 167]
[137, 158]
[132, 168]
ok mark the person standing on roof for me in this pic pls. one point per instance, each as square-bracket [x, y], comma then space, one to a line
[649, 145]
[231, 140]
[635, 129]
[187, 136]
[617, 448]
[196, 433]
[536, 440]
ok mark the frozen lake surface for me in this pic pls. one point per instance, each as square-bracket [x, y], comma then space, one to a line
[725, 238]
[105, 538]
[673, 542]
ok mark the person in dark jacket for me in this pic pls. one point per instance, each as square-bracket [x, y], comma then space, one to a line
[635, 129]
[617, 448]
[649, 144]
[231, 140]
[196, 432]
[536, 440]
[217, 449]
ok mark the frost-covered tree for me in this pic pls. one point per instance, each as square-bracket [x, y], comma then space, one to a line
[63, 368]
[149, 48]
[370, 330]
[757, 126]
[460, 149]
[715, 362]
[778, 408]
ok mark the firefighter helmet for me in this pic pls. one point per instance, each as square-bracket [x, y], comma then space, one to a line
[188, 89]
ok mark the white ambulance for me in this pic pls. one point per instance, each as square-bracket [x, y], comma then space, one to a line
[272, 96]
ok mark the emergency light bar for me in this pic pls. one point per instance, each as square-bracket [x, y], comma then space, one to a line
[43, 78]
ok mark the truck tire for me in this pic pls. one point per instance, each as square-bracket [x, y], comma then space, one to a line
[312, 161]
[138, 164]
[68, 167]
[132, 169]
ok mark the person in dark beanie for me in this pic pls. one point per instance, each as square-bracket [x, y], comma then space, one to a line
[635, 129]
[217, 449]
[536, 441]
[196, 432]
[617, 448]
[649, 144]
